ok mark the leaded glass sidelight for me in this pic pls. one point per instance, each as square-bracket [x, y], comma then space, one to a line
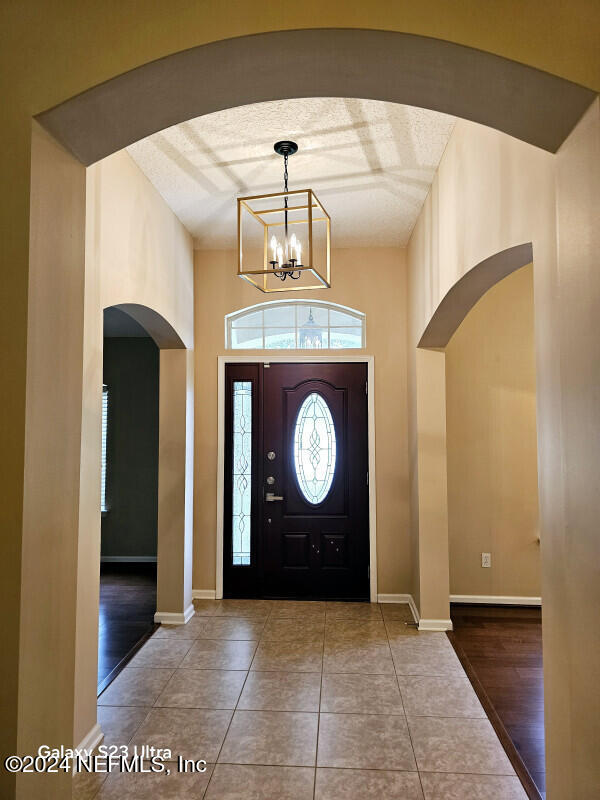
[242, 472]
[314, 448]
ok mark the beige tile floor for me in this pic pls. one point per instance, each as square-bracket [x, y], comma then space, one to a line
[302, 701]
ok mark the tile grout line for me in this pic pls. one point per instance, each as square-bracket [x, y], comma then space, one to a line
[319, 710]
[349, 769]
[377, 769]
[233, 712]
[412, 746]
[148, 709]
[350, 643]
[304, 711]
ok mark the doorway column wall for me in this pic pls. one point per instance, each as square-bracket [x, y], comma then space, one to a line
[68, 285]
[434, 574]
[46, 646]
[175, 487]
[568, 369]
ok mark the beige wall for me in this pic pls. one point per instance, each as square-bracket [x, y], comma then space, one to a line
[137, 245]
[370, 280]
[492, 444]
[490, 193]
[128, 248]
[568, 381]
[137, 252]
[46, 646]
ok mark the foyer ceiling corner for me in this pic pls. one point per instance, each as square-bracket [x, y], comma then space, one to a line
[370, 162]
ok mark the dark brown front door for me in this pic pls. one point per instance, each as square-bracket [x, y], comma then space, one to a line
[306, 532]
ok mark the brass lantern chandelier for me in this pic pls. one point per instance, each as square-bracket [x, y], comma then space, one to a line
[284, 238]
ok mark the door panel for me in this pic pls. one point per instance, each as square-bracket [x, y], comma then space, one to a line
[310, 535]
[332, 560]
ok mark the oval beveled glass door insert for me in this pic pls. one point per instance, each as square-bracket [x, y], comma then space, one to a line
[314, 448]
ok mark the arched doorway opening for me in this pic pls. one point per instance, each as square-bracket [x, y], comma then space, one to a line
[493, 515]
[129, 492]
[89, 155]
[527, 103]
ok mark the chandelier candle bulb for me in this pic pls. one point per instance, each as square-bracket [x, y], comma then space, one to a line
[271, 229]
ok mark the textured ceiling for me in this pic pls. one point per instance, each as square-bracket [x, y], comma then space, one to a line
[370, 163]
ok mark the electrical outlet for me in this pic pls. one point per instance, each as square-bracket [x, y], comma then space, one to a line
[486, 559]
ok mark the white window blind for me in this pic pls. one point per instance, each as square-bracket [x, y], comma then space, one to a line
[103, 506]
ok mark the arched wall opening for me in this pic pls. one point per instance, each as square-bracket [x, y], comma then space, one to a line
[129, 492]
[169, 461]
[526, 103]
[487, 519]
[156, 326]
[120, 113]
[464, 294]
[431, 430]
[479, 207]
[174, 479]
[492, 448]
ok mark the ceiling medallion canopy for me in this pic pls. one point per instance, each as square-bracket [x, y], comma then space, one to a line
[284, 238]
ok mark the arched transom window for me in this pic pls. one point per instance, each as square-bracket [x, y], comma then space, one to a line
[295, 325]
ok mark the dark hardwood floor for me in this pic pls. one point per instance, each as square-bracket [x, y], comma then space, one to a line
[127, 606]
[501, 649]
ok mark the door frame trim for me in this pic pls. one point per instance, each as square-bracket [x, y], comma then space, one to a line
[296, 359]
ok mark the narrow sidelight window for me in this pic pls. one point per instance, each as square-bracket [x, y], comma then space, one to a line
[242, 472]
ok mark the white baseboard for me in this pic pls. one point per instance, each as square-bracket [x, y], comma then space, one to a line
[435, 624]
[129, 559]
[393, 598]
[414, 609]
[400, 598]
[495, 600]
[91, 740]
[173, 618]
[204, 594]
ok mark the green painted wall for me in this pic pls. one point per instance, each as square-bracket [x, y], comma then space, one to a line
[131, 372]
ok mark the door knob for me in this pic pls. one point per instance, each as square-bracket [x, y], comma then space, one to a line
[271, 498]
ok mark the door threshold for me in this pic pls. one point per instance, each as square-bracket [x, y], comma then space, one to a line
[297, 598]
